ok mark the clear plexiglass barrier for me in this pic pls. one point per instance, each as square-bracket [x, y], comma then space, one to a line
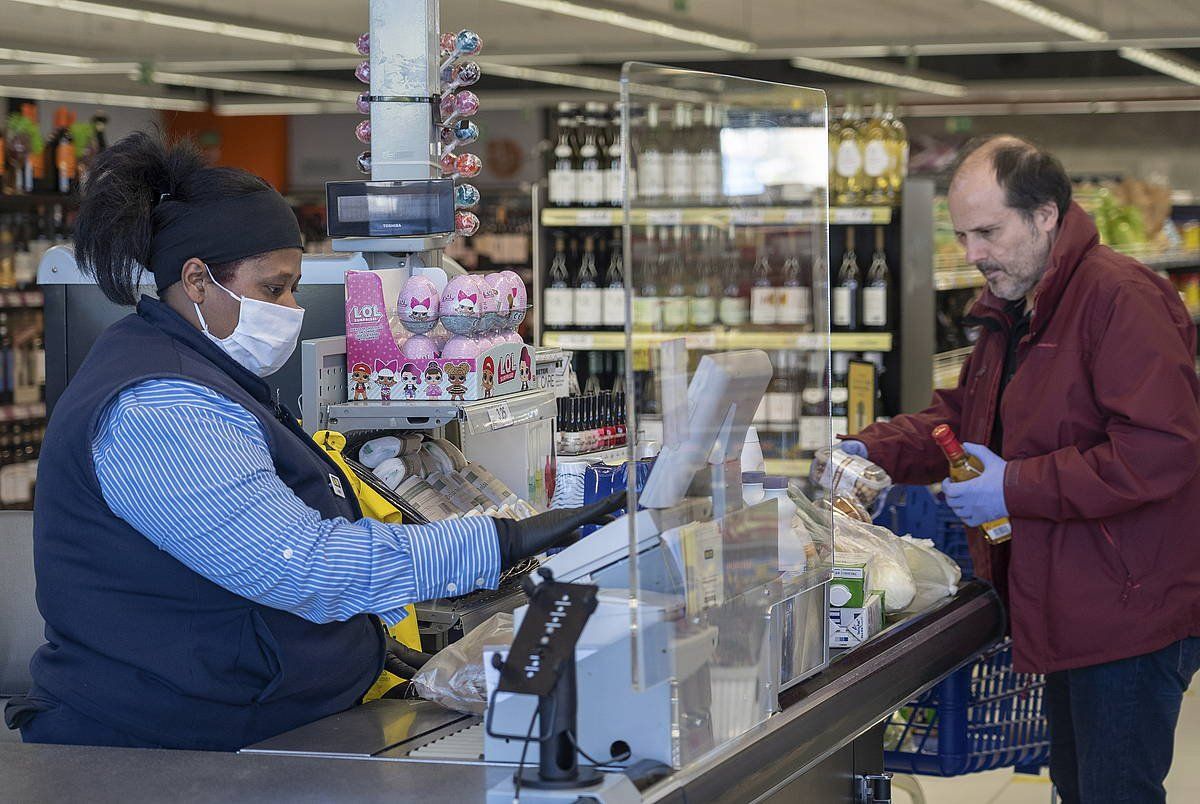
[728, 293]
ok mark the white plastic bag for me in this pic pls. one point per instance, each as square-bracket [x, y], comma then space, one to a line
[887, 565]
[936, 574]
[454, 677]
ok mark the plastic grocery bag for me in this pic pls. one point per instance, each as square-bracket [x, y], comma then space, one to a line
[454, 677]
[885, 556]
[935, 574]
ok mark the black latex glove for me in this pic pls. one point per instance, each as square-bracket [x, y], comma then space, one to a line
[520, 539]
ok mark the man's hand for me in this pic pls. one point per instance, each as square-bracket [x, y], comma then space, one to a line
[853, 448]
[520, 539]
[980, 499]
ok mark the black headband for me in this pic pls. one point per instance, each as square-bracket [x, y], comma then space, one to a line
[219, 232]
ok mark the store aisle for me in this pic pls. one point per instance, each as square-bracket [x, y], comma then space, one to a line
[1005, 787]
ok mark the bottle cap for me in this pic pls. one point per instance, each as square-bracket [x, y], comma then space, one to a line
[774, 482]
[749, 478]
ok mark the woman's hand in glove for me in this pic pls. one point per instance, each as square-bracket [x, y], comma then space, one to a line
[520, 539]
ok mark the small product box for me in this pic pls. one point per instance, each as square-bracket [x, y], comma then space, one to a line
[852, 626]
[851, 582]
[382, 365]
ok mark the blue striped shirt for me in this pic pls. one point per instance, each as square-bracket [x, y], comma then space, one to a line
[191, 471]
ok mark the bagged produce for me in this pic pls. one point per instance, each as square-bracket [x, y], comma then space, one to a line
[847, 475]
[454, 677]
[889, 569]
[935, 574]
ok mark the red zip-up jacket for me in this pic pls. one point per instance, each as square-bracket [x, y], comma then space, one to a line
[1101, 430]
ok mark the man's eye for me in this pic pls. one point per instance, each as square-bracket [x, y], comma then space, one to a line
[274, 290]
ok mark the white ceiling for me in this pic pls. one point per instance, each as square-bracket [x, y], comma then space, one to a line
[779, 27]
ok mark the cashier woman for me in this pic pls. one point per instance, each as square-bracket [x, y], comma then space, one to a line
[205, 580]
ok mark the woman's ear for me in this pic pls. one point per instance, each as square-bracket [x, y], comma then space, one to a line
[195, 280]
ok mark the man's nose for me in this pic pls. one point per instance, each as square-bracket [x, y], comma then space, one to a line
[976, 250]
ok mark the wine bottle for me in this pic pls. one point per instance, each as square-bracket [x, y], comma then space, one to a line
[589, 312]
[795, 297]
[702, 309]
[965, 467]
[876, 291]
[898, 145]
[814, 410]
[677, 302]
[647, 304]
[845, 291]
[652, 172]
[562, 190]
[734, 307]
[681, 186]
[839, 393]
[612, 300]
[707, 166]
[848, 157]
[590, 180]
[876, 144]
[614, 187]
[764, 295]
[558, 300]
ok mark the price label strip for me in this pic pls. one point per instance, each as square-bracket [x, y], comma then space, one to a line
[500, 416]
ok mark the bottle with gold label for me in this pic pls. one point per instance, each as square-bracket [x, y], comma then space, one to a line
[877, 157]
[848, 156]
[964, 466]
[898, 148]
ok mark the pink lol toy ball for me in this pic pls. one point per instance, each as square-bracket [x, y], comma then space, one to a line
[461, 347]
[418, 304]
[461, 306]
[420, 347]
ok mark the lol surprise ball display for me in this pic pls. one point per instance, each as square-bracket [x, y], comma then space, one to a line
[418, 304]
[419, 347]
[433, 381]
[360, 375]
[487, 378]
[499, 284]
[518, 298]
[410, 378]
[440, 337]
[456, 378]
[385, 378]
[461, 347]
[490, 303]
[460, 308]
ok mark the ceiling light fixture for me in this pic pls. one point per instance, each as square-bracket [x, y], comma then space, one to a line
[106, 99]
[874, 75]
[197, 25]
[1176, 68]
[1051, 19]
[251, 87]
[636, 22]
[41, 57]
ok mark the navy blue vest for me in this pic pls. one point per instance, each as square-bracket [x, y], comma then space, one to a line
[137, 640]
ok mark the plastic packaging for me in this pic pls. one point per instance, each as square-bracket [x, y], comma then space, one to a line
[454, 677]
[378, 450]
[889, 568]
[851, 475]
[935, 574]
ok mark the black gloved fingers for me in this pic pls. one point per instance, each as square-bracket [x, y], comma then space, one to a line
[613, 502]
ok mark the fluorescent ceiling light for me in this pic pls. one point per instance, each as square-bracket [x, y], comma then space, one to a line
[251, 109]
[41, 57]
[1176, 68]
[1051, 19]
[875, 75]
[197, 25]
[106, 99]
[555, 77]
[636, 22]
[345, 96]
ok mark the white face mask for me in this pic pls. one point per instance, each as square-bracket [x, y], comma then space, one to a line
[265, 336]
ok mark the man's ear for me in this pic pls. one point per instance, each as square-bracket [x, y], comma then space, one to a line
[1046, 218]
[195, 280]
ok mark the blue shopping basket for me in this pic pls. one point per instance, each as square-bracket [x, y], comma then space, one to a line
[982, 716]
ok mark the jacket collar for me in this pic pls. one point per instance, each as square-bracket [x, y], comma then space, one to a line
[1077, 236]
[179, 329]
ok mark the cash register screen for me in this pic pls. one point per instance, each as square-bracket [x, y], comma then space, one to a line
[390, 209]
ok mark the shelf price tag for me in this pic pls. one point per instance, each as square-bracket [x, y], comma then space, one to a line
[500, 416]
[701, 340]
[664, 217]
[598, 217]
[748, 217]
[799, 216]
[853, 215]
[575, 340]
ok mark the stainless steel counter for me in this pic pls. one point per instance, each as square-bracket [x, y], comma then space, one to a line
[373, 753]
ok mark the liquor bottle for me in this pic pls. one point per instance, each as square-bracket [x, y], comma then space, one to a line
[795, 297]
[8, 248]
[561, 191]
[814, 408]
[651, 164]
[848, 157]
[702, 309]
[677, 301]
[6, 183]
[734, 307]
[707, 167]
[845, 291]
[589, 183]
[781, 393]
[898, 147]
[53, 154]
[764, 295]
[965, 467]
[612, 301]
[877, 147]
[614, 187]
[839, 393]
[622, 430]
[681, 185]
[589, 313]
[647, 304]
[558, 302]
[7, 369]
[875, 292]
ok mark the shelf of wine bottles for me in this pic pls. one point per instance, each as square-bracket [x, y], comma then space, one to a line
[715, 216]
[718, 339]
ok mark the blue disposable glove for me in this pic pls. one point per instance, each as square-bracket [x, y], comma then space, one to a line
[853, 448]
[981, 499]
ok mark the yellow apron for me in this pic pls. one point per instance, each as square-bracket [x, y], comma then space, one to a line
[375, 507]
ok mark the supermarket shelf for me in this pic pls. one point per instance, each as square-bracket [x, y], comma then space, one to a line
[479, 416]
[788, 468]
[1173, 260]
[719, 339]
[957, 278]
[949, 272]
[18, 203]
[947, 365]
[21, 299]
[716, 216]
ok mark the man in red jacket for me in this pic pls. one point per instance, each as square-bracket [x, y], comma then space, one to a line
[1082, 402]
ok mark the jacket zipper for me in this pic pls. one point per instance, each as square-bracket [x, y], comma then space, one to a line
[1129, 582]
